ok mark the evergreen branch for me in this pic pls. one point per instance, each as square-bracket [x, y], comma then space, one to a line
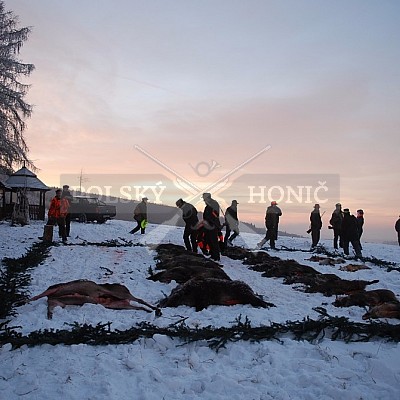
[335, 328]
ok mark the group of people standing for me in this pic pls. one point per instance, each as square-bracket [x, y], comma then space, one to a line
[58, 212]
[346, 228]
[207, 234]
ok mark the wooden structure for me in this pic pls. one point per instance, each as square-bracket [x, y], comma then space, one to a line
[17, 187]
[3, 189]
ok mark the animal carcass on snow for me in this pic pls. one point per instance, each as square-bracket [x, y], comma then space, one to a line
[353, 267]
[79, 292]
[185, 273]
[366, 298]
[385, 310]
[200, 293]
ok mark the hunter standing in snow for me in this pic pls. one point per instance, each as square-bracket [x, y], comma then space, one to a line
[336, 222]
[397, 229]
[212, 225]
[140, 216]
[231, 223]
[271, 223]
[66, 194]
[360, 224]
[189, 215]
[315, 226]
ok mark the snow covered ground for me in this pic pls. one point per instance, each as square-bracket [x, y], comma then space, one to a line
[160, 368]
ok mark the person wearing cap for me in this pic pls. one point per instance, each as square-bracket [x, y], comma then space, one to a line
[189, 215]
[336, 225]
[212, 225]
[315, 225]
[397, 229]
[140, 216]
[271, 223]
[66, 194]
[349, 233]
[231, 223]
[57, 212]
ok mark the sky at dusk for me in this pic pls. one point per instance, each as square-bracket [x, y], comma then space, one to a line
[289, 95]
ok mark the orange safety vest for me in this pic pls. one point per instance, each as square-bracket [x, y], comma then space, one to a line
[58, 207]
[54, 209]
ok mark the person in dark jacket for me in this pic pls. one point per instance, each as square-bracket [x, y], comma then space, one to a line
[66, 194]
[315, 225]
[189, 215]
[360, 224]
[349, 233]
[336, 223]
[397, 229]
[140, 216]
[212, 225]
[231, 223]
[271, 223]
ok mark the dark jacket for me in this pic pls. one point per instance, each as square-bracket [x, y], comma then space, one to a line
[360, 224]
[315, 219]
[336, 219]
[211, 213]
[140, 212]
[272, 217]
[66, 194]
[231, 218]
[189, 214]
[397, 226]
[349, 230]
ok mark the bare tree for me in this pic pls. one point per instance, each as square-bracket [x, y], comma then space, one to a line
[13, 108]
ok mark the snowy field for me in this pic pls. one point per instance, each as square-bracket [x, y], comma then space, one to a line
[160, 367]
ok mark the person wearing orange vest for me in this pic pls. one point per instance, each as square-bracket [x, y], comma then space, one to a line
[57, 212]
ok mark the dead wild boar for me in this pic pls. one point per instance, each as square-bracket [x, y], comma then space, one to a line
[326, 260]
[329, 284]
[286, 269]
[79, 292]
[385, 310]
[185, 259]
[260, 257]
[366, 298]
[185, 273]
[201, 293]
[236, 253]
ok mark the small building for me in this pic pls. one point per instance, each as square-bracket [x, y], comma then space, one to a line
[23, 184]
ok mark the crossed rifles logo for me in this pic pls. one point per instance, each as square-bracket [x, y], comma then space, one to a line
[193, 191]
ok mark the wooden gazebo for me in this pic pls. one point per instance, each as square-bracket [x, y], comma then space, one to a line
[24, 181]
